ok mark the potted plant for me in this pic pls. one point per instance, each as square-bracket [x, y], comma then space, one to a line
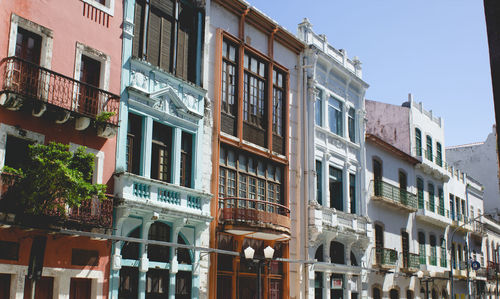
[104, 128]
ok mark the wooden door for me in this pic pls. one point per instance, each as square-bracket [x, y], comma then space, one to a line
[377, 177]
[379, 242]
[4, 286]
[80, 288]
[90, 73]
[44, 288]
[26, 73]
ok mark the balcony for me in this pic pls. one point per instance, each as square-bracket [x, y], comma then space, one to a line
[461, 222]
[477, 229]
[323, 219]
[411, 262]
[394, 197]
[256, 218]
[90, 215]
[386, 258]
[433, 165]
[434, 214]
[140, 193]
[24, 84]
[492, 270]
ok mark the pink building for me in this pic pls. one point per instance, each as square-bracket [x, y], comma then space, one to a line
[60, 66]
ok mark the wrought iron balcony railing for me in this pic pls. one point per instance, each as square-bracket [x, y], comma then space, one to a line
[386, 190]
[386, 257]
[246, 211]
[411, 261]
[33, 82]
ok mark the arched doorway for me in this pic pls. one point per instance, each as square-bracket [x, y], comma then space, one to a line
[377, 293]
[394, 294]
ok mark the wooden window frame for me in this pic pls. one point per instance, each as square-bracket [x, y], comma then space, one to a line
[266, 126]
[337, 116]
[418, 142]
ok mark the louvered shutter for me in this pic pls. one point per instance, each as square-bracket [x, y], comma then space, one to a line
[186, 40]
[138, 29]
[154, 27]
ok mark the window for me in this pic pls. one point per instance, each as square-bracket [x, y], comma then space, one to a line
[433, 257]
[443, 252]
[352, 192]
[351, 124]
[83, 257]
[441, 201]
[255, 178]
[337, 252]
[263, 122]
[165, 35]
[157, 283]
[319, 182]
[430, 190]
[106, 6]
[28, 46]
[9, 250]
[452, 207]
[379, 242]
[159, 232]
[17, 151]
[403, 184]
[377, 177]
[254, 91]
[421, 248]
[336, 192]
[418, 142]
[464, 210]
[161, 152]
[439, 155]
[420, 193]
[318, 108]
[90, 74]
[186, 159]
[428, 152]
[229, 73]
[278, 93]
[335, 116]
[377, 294]
[134, 137]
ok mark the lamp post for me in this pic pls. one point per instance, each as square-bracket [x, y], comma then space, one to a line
[249, 253]
[453, 256]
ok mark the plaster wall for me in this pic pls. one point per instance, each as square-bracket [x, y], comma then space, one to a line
[429, 125]
[480, 160]
[389, 122]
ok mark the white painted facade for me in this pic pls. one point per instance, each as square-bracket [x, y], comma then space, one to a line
[333, 150]
[481, 161]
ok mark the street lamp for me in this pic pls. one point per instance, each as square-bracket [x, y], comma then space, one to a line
[249, 253]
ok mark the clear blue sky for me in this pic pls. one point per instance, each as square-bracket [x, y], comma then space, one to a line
[435, 49]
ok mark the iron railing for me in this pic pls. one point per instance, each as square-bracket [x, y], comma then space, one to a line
[411, 261]
[37, 83]
[394, 193]
[386, 257]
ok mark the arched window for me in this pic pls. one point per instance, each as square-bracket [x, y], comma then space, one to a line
[420, 193]
[337, 254]
[421, 248]
[377, 294]
[418, 142]
[403, 184]
[394, 294]
[318, 285]
[354, 262]
[428, 152]
[319, 254]
[430, 190]
[130, 250]
[160, 232]
[433, 256]
[377, 177]
[409, 294]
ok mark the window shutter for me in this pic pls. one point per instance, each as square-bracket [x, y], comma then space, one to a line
[166, 42]
[185, 43]
[154, 28]
[165, 6]
[138, 29]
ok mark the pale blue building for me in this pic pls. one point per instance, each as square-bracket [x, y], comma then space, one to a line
[158, 183]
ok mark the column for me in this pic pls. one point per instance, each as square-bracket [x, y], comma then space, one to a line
[143, 260]
[17, 284]
[174, 265]
[345, 131]
[146, 144]
[327, 285]
[326, 177]
[61, 286]
[345, 186]
[176, 156]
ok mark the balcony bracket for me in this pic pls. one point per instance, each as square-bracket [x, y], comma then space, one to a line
[81, 123]
[38, 109]
[11, 101]
[106, 130]
[63, 117]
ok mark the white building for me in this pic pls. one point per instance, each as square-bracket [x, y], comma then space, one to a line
[416, 203]
[337, 235]
[481, 161]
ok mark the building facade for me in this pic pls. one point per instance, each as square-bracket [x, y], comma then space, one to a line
[424, 212]
[162, 178]
[59, 83]
[254, 89]
[336, 233]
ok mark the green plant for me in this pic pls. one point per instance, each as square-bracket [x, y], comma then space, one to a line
[104, 116]
[54, 178]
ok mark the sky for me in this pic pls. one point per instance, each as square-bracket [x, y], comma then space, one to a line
[435, 49]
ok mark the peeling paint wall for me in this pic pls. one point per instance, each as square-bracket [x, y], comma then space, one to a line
[389, 122]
